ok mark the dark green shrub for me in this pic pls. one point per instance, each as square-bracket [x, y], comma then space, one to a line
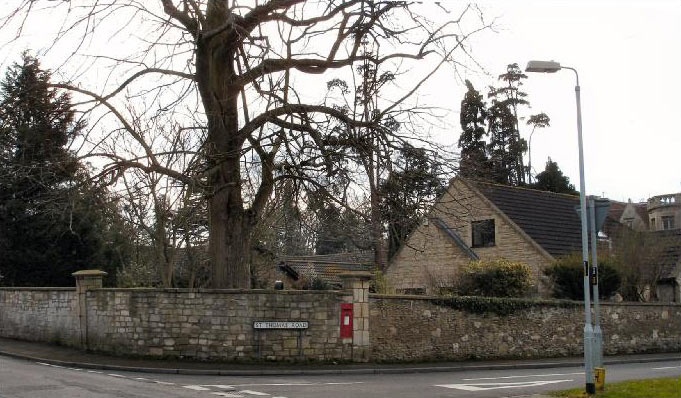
[495, 278]
[567, 275]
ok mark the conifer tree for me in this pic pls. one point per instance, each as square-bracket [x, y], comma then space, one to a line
[52, 222]
[506, 147]
[474, 162]
[553, 180]
[408, 192]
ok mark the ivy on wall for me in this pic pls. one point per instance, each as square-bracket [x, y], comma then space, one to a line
[499, 306]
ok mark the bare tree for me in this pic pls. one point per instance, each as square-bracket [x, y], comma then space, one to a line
[231, 67]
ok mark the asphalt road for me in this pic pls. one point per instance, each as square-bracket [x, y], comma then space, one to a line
[21, 378]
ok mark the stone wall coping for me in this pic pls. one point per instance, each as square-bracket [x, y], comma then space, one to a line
[361, 275]
[537, 301]
[420, 297]
[228, 291]
[635, 304]
[39, 289]
[90, 272]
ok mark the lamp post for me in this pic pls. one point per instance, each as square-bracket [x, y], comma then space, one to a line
[552, 67]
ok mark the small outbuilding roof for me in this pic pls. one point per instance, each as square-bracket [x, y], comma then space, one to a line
[326, 268]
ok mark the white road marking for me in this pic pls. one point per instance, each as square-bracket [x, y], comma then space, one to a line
[667, 367]
[165, 383]
[51, 365]
[196, 388]
[221, 386]
[520, 377]
[115, 375]
[228, 395]
[253, 393]
[296, 384]
[499, 386]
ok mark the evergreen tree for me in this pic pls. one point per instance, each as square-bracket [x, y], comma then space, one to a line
[506, 147]
[553, 180]
[540, 120]
[52, 222]
[474, 162]
[407, 193]
[331, 236]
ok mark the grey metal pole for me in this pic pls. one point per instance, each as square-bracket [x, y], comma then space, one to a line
[588, 328]
[598, 333]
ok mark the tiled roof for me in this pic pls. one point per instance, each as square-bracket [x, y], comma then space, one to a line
[327, 267]
[550, 219]
[616, 210]
[363, 257]
[642, 210]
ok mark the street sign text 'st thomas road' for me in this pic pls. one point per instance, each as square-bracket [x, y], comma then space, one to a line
[280, 325]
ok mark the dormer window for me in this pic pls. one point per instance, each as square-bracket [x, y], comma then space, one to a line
[483, 233]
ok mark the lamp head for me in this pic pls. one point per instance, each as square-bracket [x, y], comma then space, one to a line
[543, 66]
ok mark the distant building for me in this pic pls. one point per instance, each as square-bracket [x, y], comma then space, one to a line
[664, 212]
[632, 215]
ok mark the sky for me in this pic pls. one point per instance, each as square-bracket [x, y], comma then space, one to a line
[628, 56]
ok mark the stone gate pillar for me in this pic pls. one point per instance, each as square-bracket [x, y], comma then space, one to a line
[86, 280]
[358, 284]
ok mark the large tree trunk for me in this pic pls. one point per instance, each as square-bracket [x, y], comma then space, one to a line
[230, 224]
[230, 242]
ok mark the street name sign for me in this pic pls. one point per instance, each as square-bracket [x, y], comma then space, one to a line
[280, 325]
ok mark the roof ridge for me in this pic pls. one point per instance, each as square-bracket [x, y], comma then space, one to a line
[527, 189]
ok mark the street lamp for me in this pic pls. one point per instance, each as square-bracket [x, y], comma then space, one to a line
[552, 67]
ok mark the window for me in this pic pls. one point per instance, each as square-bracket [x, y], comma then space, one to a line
[629, 222]
[652, 224]
[483, 233]
[667, 222]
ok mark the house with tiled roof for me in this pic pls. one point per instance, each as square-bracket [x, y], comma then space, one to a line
[659, 220]
[633, 215]
[306, 271]
[477, 220]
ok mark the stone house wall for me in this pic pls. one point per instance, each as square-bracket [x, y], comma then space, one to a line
[420, 328]
[664, 206]
[430, 259]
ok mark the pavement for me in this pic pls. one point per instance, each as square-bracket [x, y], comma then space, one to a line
[72, 357]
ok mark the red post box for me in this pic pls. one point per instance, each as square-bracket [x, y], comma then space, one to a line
[346, 321]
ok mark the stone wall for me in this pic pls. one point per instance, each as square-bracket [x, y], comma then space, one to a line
[219, 324]
[216, 325]
[48, 314]
[418, 328]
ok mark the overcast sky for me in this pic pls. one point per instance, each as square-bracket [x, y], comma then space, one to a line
[628, 55]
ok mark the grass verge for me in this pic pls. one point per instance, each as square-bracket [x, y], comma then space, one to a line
[649, 388]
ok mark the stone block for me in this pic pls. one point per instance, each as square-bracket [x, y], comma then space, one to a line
[290, 342]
